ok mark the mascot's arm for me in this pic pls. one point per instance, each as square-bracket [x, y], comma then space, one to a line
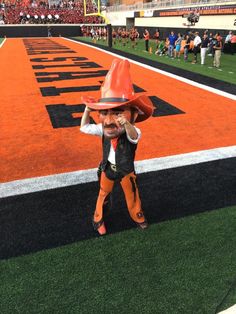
[85, 117]
[131, 131]
[129, 128]
[87, 127]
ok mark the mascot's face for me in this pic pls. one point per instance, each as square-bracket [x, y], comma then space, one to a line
[109, 118]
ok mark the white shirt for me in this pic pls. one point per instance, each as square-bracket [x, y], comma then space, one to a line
[197, 40]
[228, 38]
[97, 129]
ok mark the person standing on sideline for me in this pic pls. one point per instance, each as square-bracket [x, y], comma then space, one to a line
[157, 34]
[196, 46]
[233, 43]
[178, 46]
[186, 47]
[211, 44]
[172, 39]
[204, 47]
[146, 36]
[119, 108]
[227, 44]
[217, 48]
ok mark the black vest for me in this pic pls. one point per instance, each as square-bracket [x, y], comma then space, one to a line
[125, 154]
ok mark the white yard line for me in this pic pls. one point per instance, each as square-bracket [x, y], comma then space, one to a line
[24, 186]
[2, 42]
[230, 310]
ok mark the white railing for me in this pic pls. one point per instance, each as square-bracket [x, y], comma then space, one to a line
[160, 4]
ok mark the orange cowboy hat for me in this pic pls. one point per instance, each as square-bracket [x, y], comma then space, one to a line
[117, 90]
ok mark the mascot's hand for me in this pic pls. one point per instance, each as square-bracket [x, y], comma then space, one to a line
[121, 119]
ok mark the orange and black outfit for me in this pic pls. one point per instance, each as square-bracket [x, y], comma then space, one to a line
[146, 38]
[123, 171]
[118, 109]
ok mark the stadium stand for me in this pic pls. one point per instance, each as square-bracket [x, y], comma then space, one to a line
[43, 12]
[132, 5]
[167, 15]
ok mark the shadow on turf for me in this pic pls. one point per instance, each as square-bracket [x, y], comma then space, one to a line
[52, 218]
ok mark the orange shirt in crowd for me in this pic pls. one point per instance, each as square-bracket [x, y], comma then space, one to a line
[233, 39]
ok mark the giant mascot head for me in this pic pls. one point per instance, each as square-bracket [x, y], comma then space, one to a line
[118, 99]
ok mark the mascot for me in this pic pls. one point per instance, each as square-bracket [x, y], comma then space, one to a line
[119, 108]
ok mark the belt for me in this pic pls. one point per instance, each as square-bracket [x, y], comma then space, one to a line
[113, 167]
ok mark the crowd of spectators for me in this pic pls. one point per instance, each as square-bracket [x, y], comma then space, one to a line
[206, 44]
[45, 12]
[173, 46]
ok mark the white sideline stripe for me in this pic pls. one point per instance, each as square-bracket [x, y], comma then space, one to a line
[2, 42]
[179, 78]
[85, 176]
[230, 310]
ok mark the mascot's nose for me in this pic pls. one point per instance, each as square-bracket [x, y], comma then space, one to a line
[109, 118]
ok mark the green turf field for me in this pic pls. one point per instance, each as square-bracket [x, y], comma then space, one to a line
[183, 266]
[226, 73]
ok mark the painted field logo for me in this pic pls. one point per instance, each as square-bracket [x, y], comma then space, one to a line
[65, 115]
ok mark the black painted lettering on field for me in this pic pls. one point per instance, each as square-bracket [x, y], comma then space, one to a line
[47, 48]
[163, 108]
[44, 42]
[51, 47]
[61, 115]
[44, 46]
[60, 76]
[40, 52]
[138, 89]
[58, 59]
[54, 91]
[82, 65]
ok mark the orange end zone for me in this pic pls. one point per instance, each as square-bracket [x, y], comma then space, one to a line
[32, 147]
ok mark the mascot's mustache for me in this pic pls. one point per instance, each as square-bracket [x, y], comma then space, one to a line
[109, 126]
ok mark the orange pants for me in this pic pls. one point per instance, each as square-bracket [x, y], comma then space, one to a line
[130, 189]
